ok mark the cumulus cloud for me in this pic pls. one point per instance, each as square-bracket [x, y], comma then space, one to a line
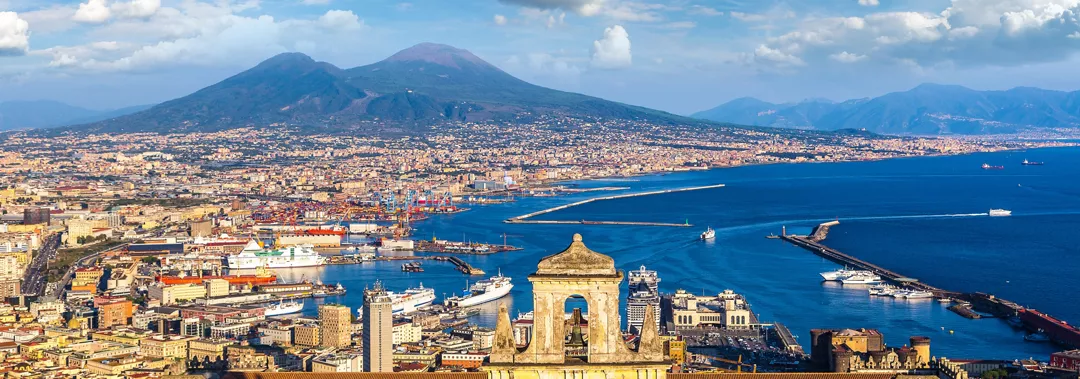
[93, 12]
[136, 8]
[500, 19]
[616, 10]
[969, 32]
[314, 2]
[869, 3]
[612, 51]
[213, 35]
[14, 34]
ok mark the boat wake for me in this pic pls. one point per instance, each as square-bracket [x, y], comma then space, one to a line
[730, 229]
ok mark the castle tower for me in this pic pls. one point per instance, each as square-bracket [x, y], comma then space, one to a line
[576, 271]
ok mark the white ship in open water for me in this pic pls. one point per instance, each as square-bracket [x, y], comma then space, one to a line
[482, 292]
[1000, 213]
[254, 256]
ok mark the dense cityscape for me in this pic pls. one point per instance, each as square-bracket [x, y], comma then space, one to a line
[150, 255]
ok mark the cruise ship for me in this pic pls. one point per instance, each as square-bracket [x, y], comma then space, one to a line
[254, 256]
[1000, 213]
[411, 300]
[841, 274]
[284, 308]
[649, 277]
[482, 292]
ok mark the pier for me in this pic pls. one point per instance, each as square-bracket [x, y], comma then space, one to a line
[461, 265]
[813, 243]
[971, 305]
[525, 219]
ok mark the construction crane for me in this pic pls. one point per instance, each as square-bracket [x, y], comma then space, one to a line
[504, 235]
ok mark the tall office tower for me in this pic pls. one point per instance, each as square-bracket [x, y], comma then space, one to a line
[378, 330]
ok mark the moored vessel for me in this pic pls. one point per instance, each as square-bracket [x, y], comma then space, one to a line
[284, 308]
[482, 292]
[411, 300]
[841, 274]
[254, 256]
[862, 278]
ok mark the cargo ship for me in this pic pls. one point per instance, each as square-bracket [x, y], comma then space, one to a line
[482, 292]
[987, 166]
[1030, 163]
[254, 256]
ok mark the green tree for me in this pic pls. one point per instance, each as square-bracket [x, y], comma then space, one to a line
[151, 260]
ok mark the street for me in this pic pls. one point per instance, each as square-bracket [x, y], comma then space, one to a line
[34, 278]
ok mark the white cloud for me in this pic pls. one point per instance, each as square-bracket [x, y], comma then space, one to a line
[581, 7]
[14, 34]
[136, 8]
[500, 19]
[93, 12]
[615, 10]
[776, 57]
[52, 19]
[869, 3]
[209, 35]
[553, 21]
[613, 50]
[315, 2]
[747, 17]
[846, 57]
[705, 11]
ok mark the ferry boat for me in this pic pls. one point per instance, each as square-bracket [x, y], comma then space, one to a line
[987, 166]
[862, 278]
[411, 300]
[841, 274]
[284, 308]
[1030, 163]
[1000, 213]
[254, 256]
[708, 234]
[482, 292]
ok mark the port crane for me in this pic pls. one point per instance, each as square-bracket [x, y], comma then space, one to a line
[504, 235]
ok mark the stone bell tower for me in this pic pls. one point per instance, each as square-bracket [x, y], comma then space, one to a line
[591, 275]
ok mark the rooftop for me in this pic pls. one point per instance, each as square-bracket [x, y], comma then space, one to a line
[577, 260]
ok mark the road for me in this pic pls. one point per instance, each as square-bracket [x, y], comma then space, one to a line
[34, 278]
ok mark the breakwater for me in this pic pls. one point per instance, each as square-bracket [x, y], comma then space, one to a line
[526, 218]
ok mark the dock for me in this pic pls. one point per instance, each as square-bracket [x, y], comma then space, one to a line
[461, 265]
[525, 219]
[813, 244]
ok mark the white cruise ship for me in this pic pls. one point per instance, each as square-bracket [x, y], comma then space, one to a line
[254, 256]
[411, 300]
[283, 308]
[841, 274]
[482, 292]
[1000, 213]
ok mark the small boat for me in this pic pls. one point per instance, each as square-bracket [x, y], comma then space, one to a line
[882, 290]
[1037, 337]
[1015, 322]
[1030, 163]
[987, 166]
[1000, 213]
[708, 234]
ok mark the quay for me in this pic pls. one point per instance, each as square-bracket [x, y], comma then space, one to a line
[461, 265]
[813, 243]
[975, 305]
[524, 219]
[454, 247]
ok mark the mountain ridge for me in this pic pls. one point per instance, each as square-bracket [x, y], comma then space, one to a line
[927, 109]
[420, 86]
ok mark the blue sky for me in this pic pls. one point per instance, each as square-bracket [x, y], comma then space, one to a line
[677, 55]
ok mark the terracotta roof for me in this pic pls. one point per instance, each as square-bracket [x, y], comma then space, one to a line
[785, 375]
[355, 375]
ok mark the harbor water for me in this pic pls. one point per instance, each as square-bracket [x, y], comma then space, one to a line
[922, 217]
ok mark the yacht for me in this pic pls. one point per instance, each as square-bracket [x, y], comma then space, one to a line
[1000, 213]
[882, 290]
[913, 294]
[862, 278]
[708, 234]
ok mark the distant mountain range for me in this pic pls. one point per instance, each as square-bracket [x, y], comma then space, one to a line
[44, 113]
[422, 85]
[929, 109]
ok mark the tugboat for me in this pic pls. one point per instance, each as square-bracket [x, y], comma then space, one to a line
[708, 234]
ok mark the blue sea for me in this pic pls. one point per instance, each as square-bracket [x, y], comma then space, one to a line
[922, 217]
